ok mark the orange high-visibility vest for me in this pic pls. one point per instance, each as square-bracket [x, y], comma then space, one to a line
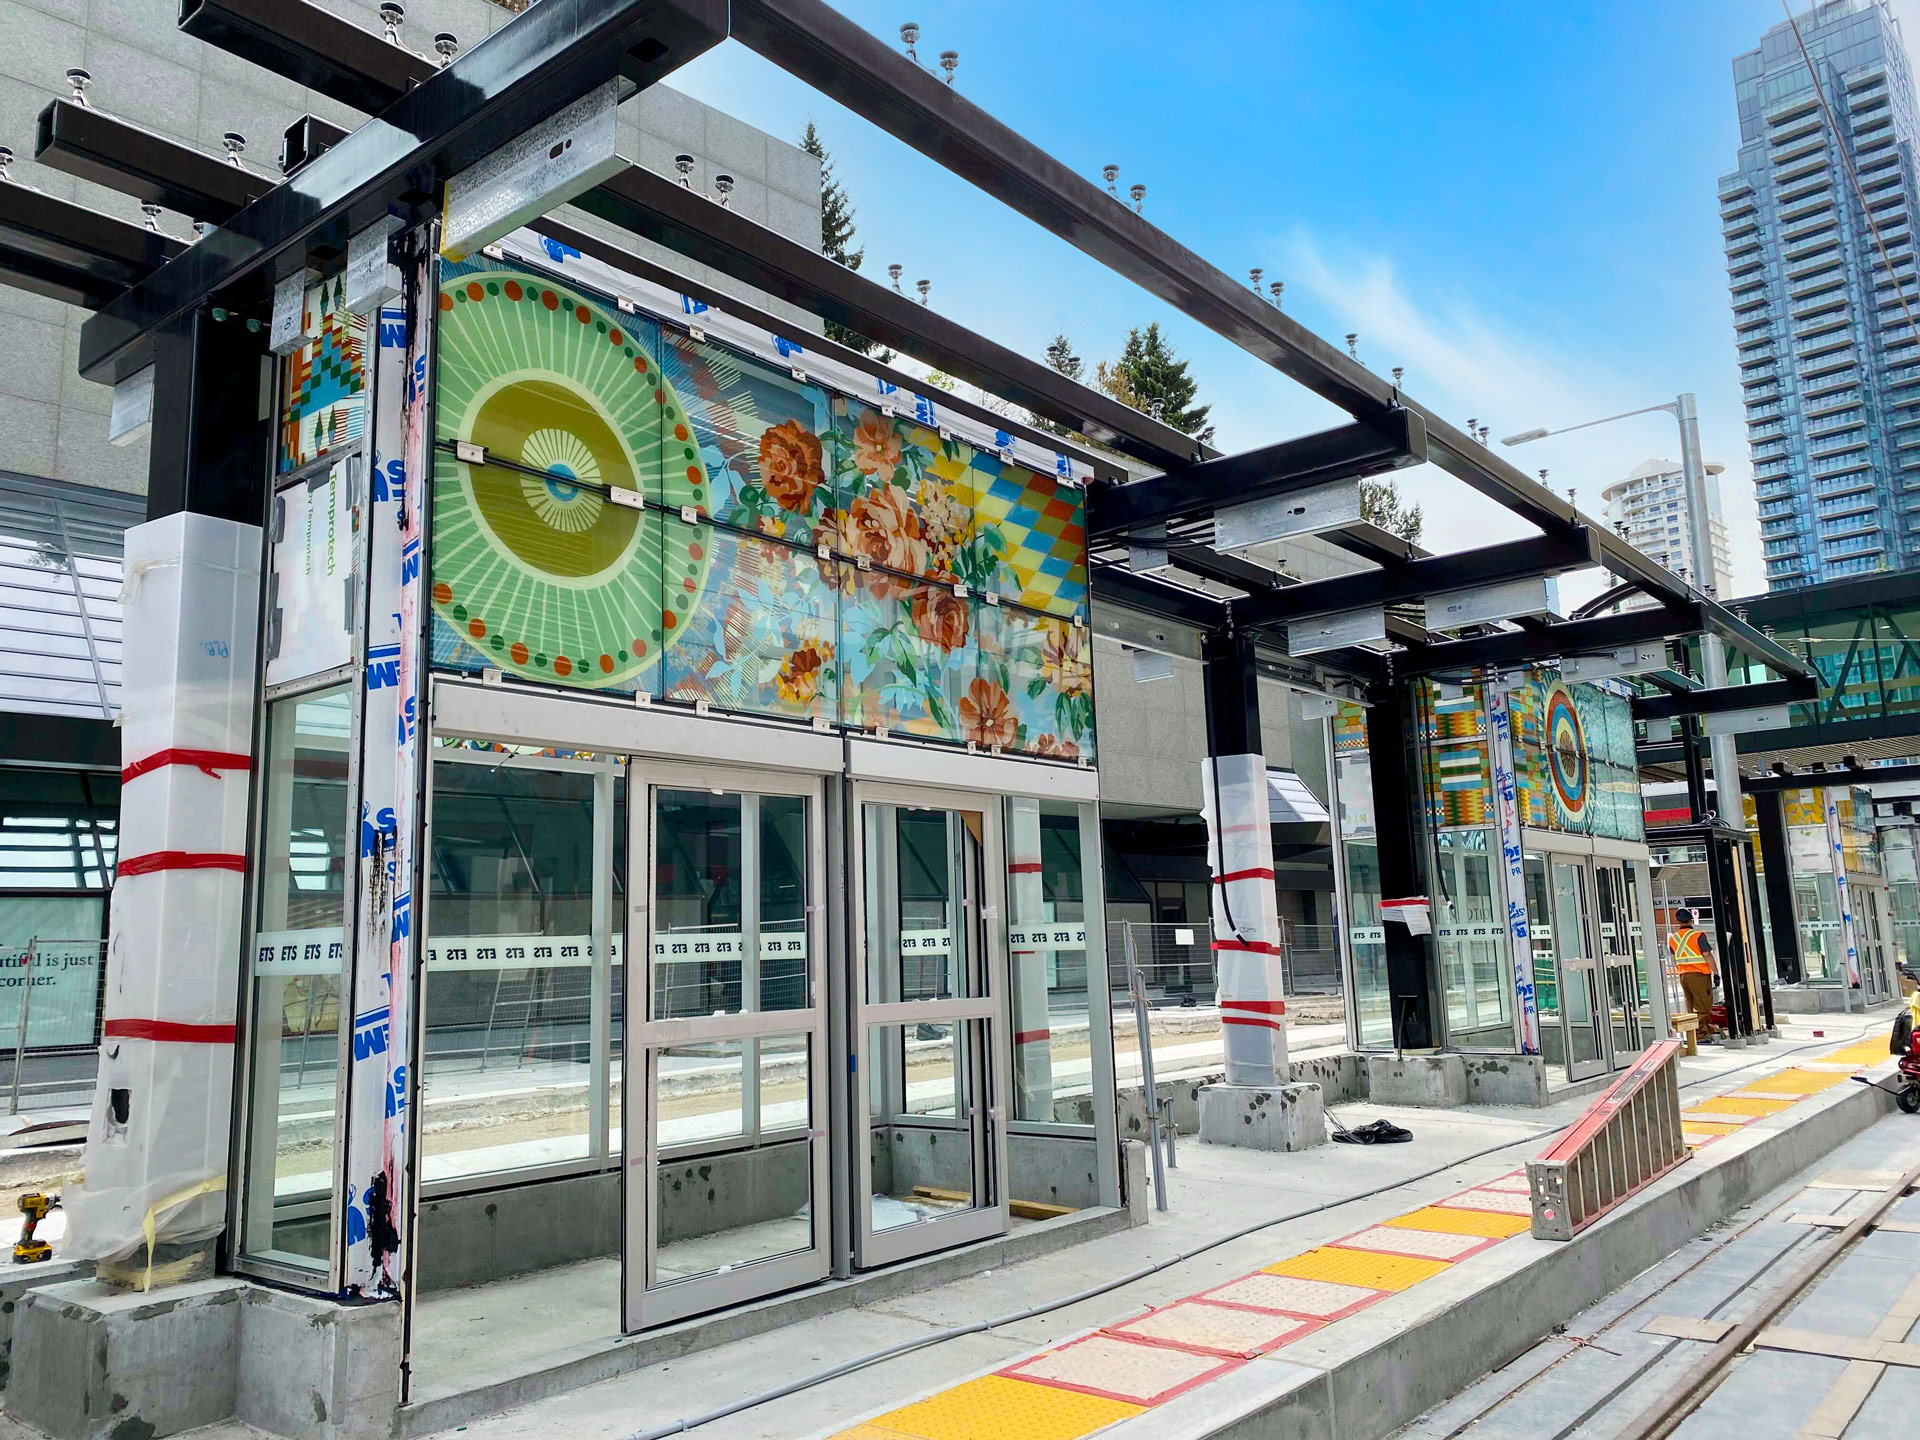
[1684, 946]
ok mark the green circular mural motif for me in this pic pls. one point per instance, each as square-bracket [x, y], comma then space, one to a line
[543, 574]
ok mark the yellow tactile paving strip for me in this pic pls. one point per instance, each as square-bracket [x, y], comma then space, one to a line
[1056, 1394]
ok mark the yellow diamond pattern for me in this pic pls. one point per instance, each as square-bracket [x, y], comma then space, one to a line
[1359, 1267]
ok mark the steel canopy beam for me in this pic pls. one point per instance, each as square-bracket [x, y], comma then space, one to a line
[122, 156]
[812, 41]
[112, 251]
[69, 284]
[1190, 491]
[1728, 697]
[548, 57]
[683, 220]
[1509, 650]
[310, 47]
[1829, 779]
[1435, 575]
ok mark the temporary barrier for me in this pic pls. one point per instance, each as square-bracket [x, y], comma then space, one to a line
[1628, 1138]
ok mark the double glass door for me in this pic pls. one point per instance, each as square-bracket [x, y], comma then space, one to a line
[1577, 951]
[929, 1062]
[726, 1185]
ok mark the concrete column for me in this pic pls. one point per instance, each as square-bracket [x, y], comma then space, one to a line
[1770, 811]
[1032, 1023]
[1246, 920]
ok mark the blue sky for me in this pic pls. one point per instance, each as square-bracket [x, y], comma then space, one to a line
[1515, 201]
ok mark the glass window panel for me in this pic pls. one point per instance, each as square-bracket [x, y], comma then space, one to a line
[297, 959]
[761, 436]
[920, 1098]
[785, 972]
[508, 998]
[322, 383]
[50, 951]
[923, 872]
[906, 494]
[1047, 953]
[1034, 527]
[698, 914]
[760, 635]
[719, 1205]
[908, 659]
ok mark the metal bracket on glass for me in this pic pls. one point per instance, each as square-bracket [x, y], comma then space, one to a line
[879, 732]
[822, 724]
[698, 332]
[703, 707]
[1079, 621]
[887, 411]
[468, 453]
[945, 433]
[690, 514]
[991, 598]
[972, 748]
[861, 562]
[628, 499]
[799, 374]
[960, 591]
[625, 306]
[492, 678]
[493, 252]
[642, 699]
[824, 551]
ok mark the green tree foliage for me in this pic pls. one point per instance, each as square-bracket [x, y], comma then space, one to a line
[836, 234]
[1381, 504]
[1151, 378]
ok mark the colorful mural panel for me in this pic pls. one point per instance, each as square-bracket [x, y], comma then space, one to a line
[845, 563]
[322, 405]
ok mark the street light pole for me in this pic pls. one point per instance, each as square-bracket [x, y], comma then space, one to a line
[1713, 656]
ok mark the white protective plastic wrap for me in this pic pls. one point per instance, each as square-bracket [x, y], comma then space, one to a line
[154, 1172]
[1246, 919]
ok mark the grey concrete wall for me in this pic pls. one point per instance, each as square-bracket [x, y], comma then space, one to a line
[1053, 1170]
[52, 423]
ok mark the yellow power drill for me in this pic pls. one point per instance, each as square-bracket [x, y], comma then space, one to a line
[26, 1250]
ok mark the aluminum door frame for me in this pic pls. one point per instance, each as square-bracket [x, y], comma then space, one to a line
[989, 1012]
[1587, 967]
[643, 1305]
[1624, 958]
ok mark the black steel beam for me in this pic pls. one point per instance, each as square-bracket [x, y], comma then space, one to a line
[1724, 699]
[1829, 779]
[1435, 575]
[306, 140]
[669, 214]
[642, 268]
[122, 156]
[1157, 597]
[548, 57]
[1509, 649]
[1192, 491]
[311, 47]
[69, 284]
[822, 47]
[1226, 569]
[112, 252]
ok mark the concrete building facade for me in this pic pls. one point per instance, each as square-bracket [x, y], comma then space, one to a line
[1650, 508]
[1822, 277]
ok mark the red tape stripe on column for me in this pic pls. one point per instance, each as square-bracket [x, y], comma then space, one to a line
[1232, 875]
[167, 1030]
[211, 761]
[1024, 867]
[178, 860]
[1269, 1007]
[1028, 1037]
[1258, 947]
[1251, 1020]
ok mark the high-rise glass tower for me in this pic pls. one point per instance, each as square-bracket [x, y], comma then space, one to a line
[1822, 285]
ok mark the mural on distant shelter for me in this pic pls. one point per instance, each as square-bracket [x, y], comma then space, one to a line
[660, 512]
[320, 400]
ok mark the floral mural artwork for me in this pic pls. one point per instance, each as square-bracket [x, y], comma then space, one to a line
[848, 564]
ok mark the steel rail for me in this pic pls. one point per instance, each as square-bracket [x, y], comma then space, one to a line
[1666, 1414]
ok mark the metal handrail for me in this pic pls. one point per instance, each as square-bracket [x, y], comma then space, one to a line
[1628, 1138]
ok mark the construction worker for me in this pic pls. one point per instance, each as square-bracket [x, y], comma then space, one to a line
[1692, 954]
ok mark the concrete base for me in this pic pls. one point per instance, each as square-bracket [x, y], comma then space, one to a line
[1507, 1080]
[1430, 1080]
[94, 1363]
[1284, 1117]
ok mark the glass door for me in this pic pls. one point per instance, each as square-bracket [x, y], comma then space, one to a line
[726, 1185]
[1618, 948]
[1581, 999]
[929, 1024]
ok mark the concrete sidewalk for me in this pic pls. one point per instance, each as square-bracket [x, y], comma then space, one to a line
[1214, 1193]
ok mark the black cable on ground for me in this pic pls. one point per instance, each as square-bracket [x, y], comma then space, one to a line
[940, 1337]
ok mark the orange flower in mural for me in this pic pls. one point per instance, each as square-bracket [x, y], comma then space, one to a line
[790, 465]
[1063, 661]
[876, 448]
[986, 714]
[1058, 749]
[941, 617]
[881, 526]
[798, 679]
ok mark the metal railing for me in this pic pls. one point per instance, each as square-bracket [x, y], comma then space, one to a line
[1629, 1137]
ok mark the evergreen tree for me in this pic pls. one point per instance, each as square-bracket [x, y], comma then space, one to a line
[1159, 382]
[836, 234]
[1382, 505]
[1060, 357]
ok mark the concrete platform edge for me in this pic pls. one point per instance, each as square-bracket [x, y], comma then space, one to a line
[1400, 1365]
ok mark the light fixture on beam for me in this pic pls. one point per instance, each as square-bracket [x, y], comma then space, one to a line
[1638, 659]
[1313, 634]
[1282, 517]
[1319, 707]
[1484, 604]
